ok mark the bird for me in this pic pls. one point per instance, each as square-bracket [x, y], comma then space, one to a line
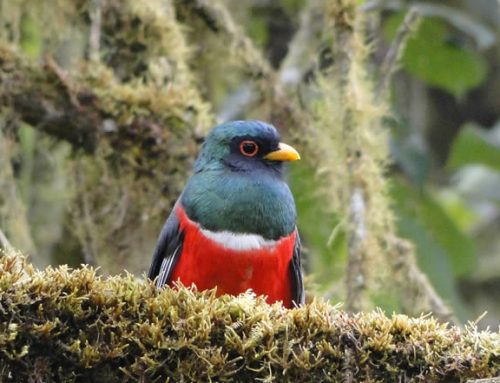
[233, 227]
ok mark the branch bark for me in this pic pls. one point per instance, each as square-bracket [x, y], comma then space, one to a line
[393, 55]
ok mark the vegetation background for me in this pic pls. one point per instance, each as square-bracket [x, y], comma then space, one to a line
[394, 104]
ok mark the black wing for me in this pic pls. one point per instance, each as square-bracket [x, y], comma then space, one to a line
[167, 251]
[298, 296]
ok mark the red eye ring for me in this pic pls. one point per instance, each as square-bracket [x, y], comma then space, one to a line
[249, 148]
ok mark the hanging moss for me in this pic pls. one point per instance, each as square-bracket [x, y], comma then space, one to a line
[137, 110]
[72, 326]
[141, 138]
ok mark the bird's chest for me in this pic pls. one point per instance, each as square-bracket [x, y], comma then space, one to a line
[235, 263]
[241, 203]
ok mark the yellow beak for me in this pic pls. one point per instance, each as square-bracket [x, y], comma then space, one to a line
[283, 153]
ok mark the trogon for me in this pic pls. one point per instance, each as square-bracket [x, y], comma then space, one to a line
[233, 227]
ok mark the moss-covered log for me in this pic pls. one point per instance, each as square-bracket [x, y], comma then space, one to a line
[61, 325]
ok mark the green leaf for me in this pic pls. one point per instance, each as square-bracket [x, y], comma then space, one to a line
[257, 30]
[458, 246]
[470, 147]
[464, 216]
[292, 6]
[412, 157]
[31, 37]
[445, 232]
[461, 20]
[430, 56]
[433, 260]
[443, 251]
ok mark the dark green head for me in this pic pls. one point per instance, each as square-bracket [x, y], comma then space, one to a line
[244, 146]
[237, 183]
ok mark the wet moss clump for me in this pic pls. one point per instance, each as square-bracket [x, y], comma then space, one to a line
[63, 325]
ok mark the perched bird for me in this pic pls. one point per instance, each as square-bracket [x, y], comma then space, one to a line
[233, 227]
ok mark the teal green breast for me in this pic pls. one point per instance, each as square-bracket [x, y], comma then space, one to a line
[241, 202]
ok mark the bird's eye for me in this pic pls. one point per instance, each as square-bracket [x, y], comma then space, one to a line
[249, 148]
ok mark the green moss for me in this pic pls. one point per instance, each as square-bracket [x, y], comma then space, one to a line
[141, 137]
[73, 326]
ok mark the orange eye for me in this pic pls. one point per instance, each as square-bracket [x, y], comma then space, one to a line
[249, 148]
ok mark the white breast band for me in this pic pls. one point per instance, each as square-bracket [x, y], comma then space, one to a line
[238, 241]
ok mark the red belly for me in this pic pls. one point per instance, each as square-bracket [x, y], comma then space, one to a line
[207, 264]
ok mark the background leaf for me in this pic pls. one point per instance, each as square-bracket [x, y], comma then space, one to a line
[444, 251]
[432, 55]
[470, 147]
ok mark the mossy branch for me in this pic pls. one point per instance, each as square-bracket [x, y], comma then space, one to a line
[128, 98]
[349, 52]
[141, 136]
[73, 326]
[92, 106]
[350, 118]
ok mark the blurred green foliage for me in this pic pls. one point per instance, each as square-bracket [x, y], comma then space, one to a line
[31, 38]
[444, 251]
[432, 209]
[472, 147]
[432, 55]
